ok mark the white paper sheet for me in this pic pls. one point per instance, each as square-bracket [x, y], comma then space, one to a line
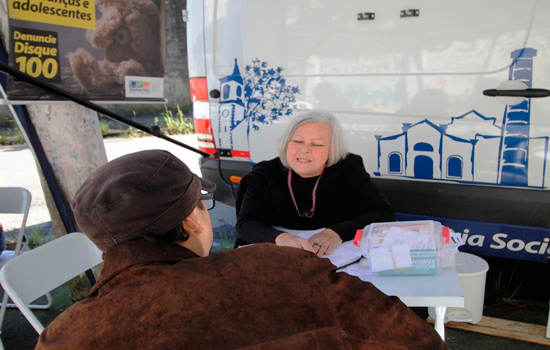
[390, 258]
[362, 268]
[345, 254]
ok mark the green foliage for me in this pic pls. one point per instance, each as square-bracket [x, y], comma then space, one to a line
[38, 237]
[224, 238]
[11, 135]
[34, 237]
[104, 126]
[505, 287]
[169, 122]
[176, 125]
[132, 132]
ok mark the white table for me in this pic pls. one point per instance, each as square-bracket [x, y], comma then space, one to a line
[439, 291]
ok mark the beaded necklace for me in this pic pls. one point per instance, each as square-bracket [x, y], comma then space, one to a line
[308, 213]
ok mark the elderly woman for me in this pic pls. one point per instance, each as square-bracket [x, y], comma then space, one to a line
[314, 183]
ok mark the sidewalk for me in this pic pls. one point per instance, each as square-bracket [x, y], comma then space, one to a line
[19, 168]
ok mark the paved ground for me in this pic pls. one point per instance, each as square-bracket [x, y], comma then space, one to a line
[18, 169]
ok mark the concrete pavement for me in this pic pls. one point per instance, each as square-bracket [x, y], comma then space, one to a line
[18, 168]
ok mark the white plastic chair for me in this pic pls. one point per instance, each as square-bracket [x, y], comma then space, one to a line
[31, 275]
[16, 200]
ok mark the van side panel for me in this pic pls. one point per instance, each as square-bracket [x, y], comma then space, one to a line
[195, 39]
[407, 85]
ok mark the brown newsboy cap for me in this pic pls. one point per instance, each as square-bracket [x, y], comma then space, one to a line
[144, 192]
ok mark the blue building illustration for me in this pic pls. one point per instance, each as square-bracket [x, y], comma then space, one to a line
[428, 151]
[231, 111]
[257, 97]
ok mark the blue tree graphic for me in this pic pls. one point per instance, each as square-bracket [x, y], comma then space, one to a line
[267, 97]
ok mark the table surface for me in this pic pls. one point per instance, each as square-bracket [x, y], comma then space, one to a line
[442, 289]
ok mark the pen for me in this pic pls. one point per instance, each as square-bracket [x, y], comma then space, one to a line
[350, 263]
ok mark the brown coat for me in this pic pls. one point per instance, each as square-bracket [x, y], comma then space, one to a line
[256, 297]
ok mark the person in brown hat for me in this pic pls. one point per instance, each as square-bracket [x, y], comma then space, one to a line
[160, 289]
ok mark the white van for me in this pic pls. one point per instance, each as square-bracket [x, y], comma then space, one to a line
[412, 82]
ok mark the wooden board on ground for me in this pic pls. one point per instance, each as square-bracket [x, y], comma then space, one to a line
[504, 328]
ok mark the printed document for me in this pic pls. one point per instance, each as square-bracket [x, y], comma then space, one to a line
[345, 254]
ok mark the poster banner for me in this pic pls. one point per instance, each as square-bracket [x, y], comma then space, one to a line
[95, 49]
[493, 239]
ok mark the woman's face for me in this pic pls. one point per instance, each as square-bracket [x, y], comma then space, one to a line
[307, 152]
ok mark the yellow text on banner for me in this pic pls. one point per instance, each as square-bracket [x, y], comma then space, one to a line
[70, 13]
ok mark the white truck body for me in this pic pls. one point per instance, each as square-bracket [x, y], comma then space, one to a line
[406, 79]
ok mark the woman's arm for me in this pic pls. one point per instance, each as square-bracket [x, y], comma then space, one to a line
[253, 206]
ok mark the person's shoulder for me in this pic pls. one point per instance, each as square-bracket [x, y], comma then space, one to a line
[263, 249]
[265, 169]
[267, 165]
[352, 164]
[353, 159]
[270, 254]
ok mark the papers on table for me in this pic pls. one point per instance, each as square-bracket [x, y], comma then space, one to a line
[362, 268]
[345, 254]
[394, 252]
[403, 248]
[390, 257]
[419, 239]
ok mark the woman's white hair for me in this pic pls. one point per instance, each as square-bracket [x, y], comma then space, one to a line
[338, 149]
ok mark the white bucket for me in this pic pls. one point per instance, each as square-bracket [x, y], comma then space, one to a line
[472, 272]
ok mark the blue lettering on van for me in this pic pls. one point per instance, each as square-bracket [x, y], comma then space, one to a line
[257, 97]
[425, 150]
[506, 241]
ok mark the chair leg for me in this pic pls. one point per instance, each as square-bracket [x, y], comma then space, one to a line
[3, 310]
[2, 313]
[31, 306]
[35, 324]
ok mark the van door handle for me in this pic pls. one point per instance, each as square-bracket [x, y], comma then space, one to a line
[527, 93]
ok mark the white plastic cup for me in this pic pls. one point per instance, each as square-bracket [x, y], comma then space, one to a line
[472, 273]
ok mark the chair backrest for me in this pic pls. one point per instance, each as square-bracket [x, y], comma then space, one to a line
[33, 274]
[16, 200]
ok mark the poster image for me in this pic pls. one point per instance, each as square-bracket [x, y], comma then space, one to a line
[102, 50]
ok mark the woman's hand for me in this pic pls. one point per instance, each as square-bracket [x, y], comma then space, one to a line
[325, 242]
[288, 240]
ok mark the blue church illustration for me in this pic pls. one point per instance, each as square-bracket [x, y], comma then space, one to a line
[231, 111]
[428, 151]
[258, 97]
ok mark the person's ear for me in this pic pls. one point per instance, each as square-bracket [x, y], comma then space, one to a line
[192, 224]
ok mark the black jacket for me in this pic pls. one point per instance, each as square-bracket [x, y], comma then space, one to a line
[347, 200]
